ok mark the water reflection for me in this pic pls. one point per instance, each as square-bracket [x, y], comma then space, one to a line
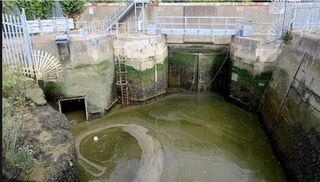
[177, 138]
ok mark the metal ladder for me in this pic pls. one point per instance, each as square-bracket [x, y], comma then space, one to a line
[122, 80]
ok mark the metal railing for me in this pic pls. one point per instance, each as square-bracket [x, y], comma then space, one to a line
[303, 15]
[46, 26]
[16, 44]
[118, 13]
[260, 30]
[91, 28]
[305, 18]
[199, 25]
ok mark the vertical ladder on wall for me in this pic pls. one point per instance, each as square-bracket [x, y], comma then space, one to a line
[122, 80]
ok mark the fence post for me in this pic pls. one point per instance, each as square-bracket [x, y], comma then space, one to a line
[40, 26]
[27, 42]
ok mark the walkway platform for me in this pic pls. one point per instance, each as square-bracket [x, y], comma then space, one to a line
[176, 31]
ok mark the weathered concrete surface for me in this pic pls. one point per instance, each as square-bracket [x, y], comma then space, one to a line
[193, 67]
[89, 68]
[90, 71]
[146, 63]
[291, 107]
[100, 11]
[252, 65]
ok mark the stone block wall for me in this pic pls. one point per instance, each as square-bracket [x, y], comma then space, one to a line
[146, 63]
[291, 107]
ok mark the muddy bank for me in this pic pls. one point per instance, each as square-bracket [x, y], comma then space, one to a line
[42, 130]
[47, 131]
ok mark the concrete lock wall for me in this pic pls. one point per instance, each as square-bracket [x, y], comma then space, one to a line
[193, 67]
[291, 107]
[90, 71]
[88, 68]
[146, 63]
[89, 64]
[252, 65]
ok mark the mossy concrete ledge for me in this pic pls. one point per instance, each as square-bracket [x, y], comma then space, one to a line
[146, 63]
[291, 107]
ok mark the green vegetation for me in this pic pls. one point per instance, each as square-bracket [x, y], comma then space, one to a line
[16, 154]
[145, 77]
[287, 37]
[171, 1]
[52, 90]
[43, 8]
[72, 9]
[14, 86]
[178, 1]
[102, 67]
[252, 79]
[316, 31]
[106, 1]
[81, 66]
[195, 47]
[184, 58]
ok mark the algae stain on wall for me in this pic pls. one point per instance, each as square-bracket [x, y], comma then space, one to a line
[148, 83]
[145, 58]
[195, 71]
[95, 81]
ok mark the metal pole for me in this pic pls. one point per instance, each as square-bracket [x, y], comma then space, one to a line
[135, 17]
[27, 38]
[284, 16]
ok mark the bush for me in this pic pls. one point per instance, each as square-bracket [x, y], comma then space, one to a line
[15, 155]
[15, 158]
[14, 86]
[52, 90]
[316, 31]
[15, 161]
[287, 37]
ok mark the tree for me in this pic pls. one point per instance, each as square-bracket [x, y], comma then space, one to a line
[34, 9]
[71, 8]
[43, 8]
[37, 8]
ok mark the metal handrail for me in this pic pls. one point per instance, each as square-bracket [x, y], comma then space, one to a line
[113, 18]
[213, 22]
[200, 25]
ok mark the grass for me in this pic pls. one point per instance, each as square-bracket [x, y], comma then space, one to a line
[16, 155]
[316, 31]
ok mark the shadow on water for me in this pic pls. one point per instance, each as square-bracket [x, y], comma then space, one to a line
[180, 137]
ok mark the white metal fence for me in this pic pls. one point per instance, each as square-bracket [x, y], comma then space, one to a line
[16, 44]
[17, 52]
[306, 18]
[49, 26]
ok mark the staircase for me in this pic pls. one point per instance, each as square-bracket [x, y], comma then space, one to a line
[122, 80]
[118, 14]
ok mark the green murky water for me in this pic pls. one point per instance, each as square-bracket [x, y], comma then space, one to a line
[176, 138]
